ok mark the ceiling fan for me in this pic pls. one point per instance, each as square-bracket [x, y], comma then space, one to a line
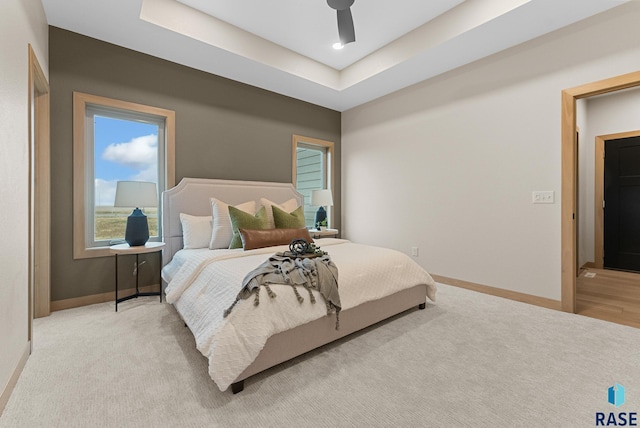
[345, 20]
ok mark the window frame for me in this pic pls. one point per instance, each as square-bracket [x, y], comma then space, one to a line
[328, 147]
[81, 102]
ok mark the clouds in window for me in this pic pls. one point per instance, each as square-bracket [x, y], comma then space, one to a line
[140, 153]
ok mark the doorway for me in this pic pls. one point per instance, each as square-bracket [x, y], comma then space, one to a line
[569, 176]
[605, 290]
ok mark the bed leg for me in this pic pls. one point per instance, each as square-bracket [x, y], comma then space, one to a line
[422, 305]
[237, 387]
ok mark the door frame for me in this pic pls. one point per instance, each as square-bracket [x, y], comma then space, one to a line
[599, 193]
[39, 193]
[568, 223]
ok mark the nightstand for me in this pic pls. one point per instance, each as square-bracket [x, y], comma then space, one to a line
[327, 233]
[125, 249]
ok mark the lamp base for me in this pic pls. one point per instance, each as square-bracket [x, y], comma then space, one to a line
[137, 231]
[321, 215]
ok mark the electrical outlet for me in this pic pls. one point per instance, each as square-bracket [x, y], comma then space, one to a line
[414, 251]
[542, 197]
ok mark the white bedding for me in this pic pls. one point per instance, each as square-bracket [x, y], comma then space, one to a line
[203, 283]
[180, 258]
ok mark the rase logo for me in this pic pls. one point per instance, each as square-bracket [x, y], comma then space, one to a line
[616, 397]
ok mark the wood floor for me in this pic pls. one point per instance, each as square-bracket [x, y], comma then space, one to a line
[609, 295]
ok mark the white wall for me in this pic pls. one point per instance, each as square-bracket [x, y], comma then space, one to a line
[449, 164]
[21, 22]
[607, 114]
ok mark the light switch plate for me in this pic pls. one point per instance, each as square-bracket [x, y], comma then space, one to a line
[543, 197]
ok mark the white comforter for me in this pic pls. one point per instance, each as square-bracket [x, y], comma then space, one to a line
[208, 282]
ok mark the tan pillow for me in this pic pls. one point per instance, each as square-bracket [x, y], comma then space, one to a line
[286, 206]
[260, 238]
[222, 232]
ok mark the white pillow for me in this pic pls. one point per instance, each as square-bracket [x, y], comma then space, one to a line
[222, 233]
[287, 206]
[196, 230]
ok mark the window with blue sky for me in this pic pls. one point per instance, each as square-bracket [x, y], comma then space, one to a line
[116, 140]
[125, 150]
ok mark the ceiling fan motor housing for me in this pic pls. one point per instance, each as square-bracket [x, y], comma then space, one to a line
[340, 4]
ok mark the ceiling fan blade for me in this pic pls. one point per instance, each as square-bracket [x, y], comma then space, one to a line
[345, 27]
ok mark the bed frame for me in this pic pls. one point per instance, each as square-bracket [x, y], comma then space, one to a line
[191, 196]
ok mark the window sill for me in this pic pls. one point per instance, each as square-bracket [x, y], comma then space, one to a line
[89, 253]
[102, 251]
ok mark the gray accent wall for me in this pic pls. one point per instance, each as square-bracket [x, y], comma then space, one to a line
[224, 129]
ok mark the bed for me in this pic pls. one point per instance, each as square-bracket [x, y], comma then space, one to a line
[374, 284]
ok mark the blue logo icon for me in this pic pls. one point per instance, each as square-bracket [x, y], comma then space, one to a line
[616, 395]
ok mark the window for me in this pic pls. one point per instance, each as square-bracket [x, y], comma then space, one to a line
[116, 141]
[312, 170]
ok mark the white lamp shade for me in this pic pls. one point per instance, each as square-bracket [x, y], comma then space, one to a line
[134, 194]
[321, 198]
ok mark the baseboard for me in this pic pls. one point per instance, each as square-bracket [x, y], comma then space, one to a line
[500, 292]
[588, 265]
[76, 302]
[4, 397]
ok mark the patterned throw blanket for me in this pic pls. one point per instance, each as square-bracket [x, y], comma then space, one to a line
[316, 273]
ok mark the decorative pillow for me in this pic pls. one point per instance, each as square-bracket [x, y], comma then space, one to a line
[254, 238]
[222, 233]
[286, 206]
[243, 220]
[196, 230]
[292, 220]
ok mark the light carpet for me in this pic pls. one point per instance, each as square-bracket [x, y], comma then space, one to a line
[470, 360]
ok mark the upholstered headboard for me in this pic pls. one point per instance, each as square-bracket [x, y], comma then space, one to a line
[192, 196]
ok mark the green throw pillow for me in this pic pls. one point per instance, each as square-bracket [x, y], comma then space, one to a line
[284, 220]
[243, 220]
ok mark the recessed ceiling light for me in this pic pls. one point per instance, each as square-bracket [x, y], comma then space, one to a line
[337, 46]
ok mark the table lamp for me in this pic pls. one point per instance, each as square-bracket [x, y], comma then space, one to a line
[136, 194]
[321, 198]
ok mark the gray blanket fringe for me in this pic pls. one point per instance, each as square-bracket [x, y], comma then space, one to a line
[317, 273]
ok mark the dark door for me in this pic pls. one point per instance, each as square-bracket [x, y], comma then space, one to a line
[622, 204]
